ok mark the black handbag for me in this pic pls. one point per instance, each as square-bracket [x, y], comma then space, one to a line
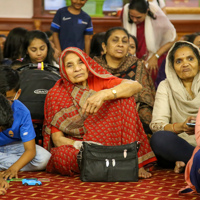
[108, 163]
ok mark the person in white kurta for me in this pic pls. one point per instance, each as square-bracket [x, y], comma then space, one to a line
[177, 102]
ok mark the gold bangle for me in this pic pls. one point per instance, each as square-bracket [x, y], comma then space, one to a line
[114, 92]
[157, 56]
[174, 128]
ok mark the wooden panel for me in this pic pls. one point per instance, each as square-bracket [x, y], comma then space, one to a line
[7, 24]
[176, 10]
[100, 24]
[184, 27]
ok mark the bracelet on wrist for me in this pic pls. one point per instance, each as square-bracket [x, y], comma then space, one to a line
[173, 128]
[114, 93]
[157, 56]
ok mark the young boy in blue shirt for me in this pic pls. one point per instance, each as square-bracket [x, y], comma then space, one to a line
[72, 27]
[6, 120]
[18, 150]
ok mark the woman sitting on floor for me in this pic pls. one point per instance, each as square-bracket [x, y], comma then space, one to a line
[177, 102]
[120, 63]
[85, 88]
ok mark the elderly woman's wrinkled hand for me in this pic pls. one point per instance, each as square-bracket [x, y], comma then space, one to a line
[93, 103]
[186, 128]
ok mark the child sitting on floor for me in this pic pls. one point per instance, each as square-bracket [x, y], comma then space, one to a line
[17, 143]
[6, 120]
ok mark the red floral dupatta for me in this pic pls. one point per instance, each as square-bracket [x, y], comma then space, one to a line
[64, 101]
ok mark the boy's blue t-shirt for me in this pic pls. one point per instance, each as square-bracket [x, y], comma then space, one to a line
[22, 128]
[72, 28]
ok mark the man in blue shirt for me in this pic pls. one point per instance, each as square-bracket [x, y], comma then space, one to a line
[72, 27]
[18, 150]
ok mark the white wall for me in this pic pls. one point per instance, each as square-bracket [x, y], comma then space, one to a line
[16, 8]
[24, 9]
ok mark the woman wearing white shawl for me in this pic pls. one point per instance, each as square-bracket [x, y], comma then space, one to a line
[177, 102]
[159, 33]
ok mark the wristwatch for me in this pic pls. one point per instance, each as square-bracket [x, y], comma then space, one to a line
[114, 92]
[157, 56]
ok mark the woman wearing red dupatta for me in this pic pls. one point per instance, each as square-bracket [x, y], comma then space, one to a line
[82, 107]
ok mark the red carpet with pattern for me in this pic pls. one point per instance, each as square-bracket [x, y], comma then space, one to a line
[162, 186]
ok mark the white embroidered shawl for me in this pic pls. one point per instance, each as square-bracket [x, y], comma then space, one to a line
[157, 32]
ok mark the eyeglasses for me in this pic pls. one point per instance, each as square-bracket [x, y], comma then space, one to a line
[12, 100]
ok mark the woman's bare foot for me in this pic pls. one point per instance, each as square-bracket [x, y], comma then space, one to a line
[142, 173]
[180, 165]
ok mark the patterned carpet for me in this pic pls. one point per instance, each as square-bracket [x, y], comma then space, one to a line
[162, 186]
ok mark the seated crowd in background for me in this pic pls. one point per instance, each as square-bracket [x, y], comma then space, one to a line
[125, 64]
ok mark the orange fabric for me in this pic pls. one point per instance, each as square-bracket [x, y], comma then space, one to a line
[103, 83]
[190, 162]
[54, 129]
